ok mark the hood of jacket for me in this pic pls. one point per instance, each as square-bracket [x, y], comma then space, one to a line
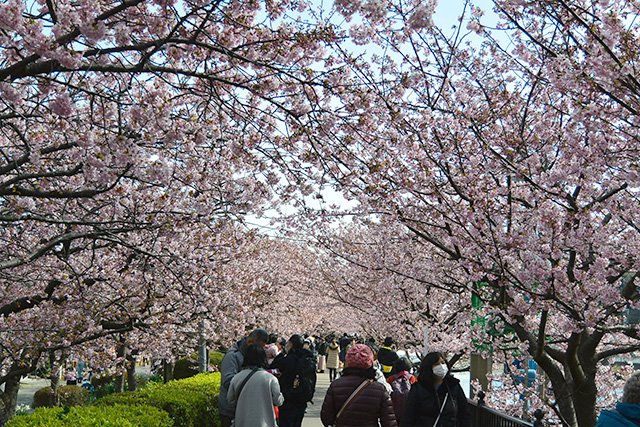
[241, 346]
[629, 410]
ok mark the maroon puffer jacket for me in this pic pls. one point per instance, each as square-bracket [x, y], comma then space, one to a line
[372, 404]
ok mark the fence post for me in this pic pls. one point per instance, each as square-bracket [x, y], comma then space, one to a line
[538, 415]
[481, 395]
[479, 369]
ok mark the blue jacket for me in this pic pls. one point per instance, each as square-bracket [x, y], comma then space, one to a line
[625, 415]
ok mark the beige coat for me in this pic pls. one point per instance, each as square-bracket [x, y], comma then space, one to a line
[333, 359]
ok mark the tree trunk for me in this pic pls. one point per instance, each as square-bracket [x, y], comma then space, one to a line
[168, 370]
[132, 383]
[202, 348]
[586, 392]
[562, 391]
[9, 399]
[121, 354]
[575, 399]
[56, 372]
[584, 400]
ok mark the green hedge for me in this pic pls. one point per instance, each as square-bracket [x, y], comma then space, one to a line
[94, 416]
[185, 368]
[191, 402]
[43, 398]
[102, 380]
[73, 395]
[215, 358]
[68, 395]
[104, 385]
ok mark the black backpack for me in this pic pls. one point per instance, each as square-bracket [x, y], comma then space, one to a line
[304, 382]
[322, 348]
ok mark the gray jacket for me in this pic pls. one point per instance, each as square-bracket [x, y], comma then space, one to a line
[230, 366]
[259, 395]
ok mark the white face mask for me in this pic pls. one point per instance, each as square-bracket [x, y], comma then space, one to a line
[440, 371]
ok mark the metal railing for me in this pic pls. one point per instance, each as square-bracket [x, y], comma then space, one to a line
[483, 416]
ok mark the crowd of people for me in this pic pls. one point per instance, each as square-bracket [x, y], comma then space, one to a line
[268, 381]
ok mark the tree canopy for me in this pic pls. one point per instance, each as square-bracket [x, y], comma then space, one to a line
[136, 137]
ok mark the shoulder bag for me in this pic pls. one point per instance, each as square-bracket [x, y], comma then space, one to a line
[253, 371]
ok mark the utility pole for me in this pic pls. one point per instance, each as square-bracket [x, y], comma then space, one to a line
[202, 348]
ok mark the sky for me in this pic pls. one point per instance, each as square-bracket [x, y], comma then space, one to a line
[446, 17]
[448, 11]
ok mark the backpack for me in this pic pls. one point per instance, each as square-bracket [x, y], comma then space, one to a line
[399, 391]
[322, 348]
[304, 382]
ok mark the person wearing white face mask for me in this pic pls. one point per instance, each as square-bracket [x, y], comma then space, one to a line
[436, 400]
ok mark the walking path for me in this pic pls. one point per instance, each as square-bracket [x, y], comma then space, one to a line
[28, 387]
[312, 417]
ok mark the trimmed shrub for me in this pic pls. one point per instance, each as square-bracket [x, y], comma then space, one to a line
[73, 395]
[142, 381]
[103, 385]
[93, 416]
[106, 384]
[215, 358]
[43, 398]
[105, 389]
[192, 402]
[100, 381]
[156, 378]
[185, 368]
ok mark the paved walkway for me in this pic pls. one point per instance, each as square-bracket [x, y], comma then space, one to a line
[28, 387]
[312, 417]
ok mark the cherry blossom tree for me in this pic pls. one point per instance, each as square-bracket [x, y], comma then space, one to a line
[134, 137]
[513, 166]
[373, 269]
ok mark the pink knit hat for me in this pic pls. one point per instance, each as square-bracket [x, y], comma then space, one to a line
[272, 352]
[359, 356]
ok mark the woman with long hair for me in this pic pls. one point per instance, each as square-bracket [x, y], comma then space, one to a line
[436, 400]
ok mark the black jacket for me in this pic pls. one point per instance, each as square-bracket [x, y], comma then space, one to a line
[287, 367]
[424, 402]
